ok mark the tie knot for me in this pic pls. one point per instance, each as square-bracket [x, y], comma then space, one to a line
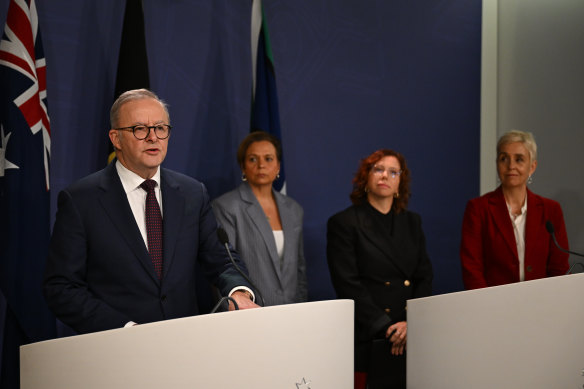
[148, 185]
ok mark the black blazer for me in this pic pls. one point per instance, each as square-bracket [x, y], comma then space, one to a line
[378, 271]
[99, 274]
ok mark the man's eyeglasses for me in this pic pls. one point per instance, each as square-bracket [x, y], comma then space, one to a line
[142, 132]
[379, 170]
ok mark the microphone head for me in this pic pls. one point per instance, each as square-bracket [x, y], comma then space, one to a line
[222, 235]
[549, 227]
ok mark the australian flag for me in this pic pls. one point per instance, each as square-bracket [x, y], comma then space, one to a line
[25, 145]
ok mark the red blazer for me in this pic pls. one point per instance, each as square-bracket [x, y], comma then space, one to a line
[488, 251]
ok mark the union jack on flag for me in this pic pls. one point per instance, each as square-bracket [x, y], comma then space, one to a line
[19, 51]
[24, 183]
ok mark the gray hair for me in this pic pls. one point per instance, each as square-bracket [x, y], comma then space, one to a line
[131, 95]
[519, 136]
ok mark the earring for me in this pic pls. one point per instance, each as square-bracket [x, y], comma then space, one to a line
[243, 177]
[366, 189]
[396, 195]
[277, 175]
[529, 180]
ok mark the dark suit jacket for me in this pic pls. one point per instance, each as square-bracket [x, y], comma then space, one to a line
[379, 272]
[280, 281]
[488, 251]
[99, 274]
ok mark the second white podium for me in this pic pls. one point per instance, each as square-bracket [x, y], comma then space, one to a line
[524, 335]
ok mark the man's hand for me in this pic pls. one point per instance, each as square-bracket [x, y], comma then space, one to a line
[243, 300]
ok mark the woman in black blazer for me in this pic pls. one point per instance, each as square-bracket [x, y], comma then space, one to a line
[376, 253]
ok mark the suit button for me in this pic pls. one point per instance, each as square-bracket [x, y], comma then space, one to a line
[163, 298]
[387, 283]
[387, 310]
[407, 282]
[529, 268]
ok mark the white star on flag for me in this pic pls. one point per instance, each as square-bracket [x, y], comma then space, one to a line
[4, 163]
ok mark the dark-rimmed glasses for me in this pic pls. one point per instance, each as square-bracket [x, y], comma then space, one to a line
[141, 132]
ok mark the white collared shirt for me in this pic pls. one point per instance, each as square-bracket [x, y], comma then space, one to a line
[518, 222]
[137, 196]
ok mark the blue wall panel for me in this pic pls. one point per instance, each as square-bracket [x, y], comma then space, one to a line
[353, 77]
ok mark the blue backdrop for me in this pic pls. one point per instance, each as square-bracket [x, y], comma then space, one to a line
[353, 77]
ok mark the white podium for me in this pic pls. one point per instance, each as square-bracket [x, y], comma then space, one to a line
[524, 335]
[307, 345]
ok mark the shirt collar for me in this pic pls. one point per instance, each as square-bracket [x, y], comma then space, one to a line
[130, 180]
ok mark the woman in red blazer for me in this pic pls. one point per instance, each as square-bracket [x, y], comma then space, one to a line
[504, 235]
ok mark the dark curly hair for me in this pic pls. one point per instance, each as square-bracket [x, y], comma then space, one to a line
[358, 195]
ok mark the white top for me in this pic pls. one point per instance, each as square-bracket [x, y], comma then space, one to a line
[279, 238]
[518, 222]
[137, 196]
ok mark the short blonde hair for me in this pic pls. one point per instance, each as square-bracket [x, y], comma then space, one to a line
[519, 136]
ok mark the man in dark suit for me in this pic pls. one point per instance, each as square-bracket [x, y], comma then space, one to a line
[108, 265]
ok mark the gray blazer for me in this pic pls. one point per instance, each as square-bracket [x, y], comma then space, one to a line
[279, 281]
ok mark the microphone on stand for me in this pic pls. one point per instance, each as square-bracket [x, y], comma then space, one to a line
[573, 266]
[224, 239]
[550, 228]
[222, 300]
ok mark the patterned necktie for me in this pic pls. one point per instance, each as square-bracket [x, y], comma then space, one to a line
[153, 226]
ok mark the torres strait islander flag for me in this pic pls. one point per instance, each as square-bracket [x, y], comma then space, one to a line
[265, 114]
[24, 182]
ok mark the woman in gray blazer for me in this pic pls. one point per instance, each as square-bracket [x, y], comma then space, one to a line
[264, 225]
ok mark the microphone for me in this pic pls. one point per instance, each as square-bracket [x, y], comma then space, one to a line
[224, 239]
[551, 230]
[573, 266]
[223, 299]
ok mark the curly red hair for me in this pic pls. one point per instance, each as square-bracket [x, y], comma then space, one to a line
[358, 195]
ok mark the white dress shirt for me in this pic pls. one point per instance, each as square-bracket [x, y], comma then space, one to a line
[518, 222]
[137, 195]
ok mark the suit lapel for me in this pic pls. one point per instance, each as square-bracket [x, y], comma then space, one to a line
[257, 215]
[498, 208]
[533, 222]
[288, 219]
[115, 204]
[388, 245]
[172, 206]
